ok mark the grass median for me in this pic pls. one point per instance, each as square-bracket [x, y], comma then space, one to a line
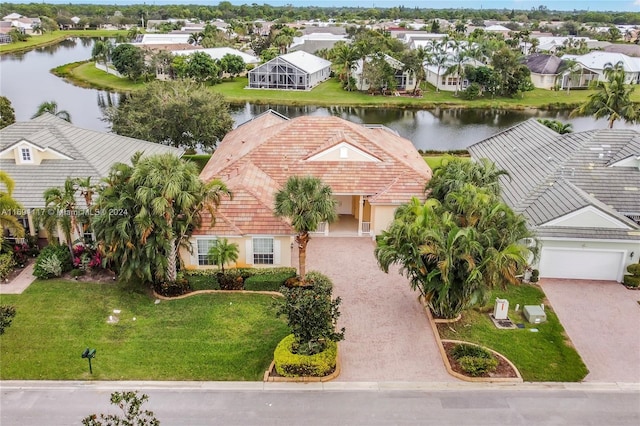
[542, 352]
[204, 337]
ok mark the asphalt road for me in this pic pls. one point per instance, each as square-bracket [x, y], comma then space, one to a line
[244, 404]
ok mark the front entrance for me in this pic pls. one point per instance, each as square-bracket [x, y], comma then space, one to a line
[354, 217]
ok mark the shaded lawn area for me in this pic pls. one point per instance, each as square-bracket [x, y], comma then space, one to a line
[546, 355]
[205, 337]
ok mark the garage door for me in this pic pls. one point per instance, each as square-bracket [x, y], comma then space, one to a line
[581, 264]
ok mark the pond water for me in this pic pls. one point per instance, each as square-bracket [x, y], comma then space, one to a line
[25, 79]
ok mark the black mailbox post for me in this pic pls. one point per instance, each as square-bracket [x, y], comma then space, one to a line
[89, 353]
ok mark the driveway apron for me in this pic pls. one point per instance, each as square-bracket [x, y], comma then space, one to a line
[602, 319]
[388, 337]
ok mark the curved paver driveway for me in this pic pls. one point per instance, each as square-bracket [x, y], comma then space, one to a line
[388, 337]
[602, 318]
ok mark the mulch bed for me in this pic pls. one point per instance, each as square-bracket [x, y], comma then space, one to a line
[100, 277]
[504, 370]
[16, 271]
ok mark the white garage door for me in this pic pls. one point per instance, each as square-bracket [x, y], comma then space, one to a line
[581, 264]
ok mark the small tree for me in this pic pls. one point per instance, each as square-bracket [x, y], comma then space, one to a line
[311, 314]
[7, 312]
[222, 253]
[133, 414]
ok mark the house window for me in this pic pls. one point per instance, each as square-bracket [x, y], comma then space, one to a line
[25, 155]
[344, 152]
[263, 251]
[203, 250]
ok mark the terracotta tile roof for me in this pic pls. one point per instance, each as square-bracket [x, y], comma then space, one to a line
[257, 158]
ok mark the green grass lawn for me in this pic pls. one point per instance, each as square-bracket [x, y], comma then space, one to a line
[55, 37]
[330, 93]
[546, 355]
[205, 337]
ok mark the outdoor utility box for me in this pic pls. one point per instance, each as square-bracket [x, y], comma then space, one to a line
[534, 314]
[501, 309]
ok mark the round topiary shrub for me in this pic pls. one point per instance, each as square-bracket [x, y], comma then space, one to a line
[289, 364]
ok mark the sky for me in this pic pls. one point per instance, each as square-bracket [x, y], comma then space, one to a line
[599, 5]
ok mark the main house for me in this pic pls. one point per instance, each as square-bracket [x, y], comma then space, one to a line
[370, 169]
[580, 193]
[292, 71]
[42, 153]
[405, 79]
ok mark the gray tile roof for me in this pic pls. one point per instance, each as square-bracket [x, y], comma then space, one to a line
[543, 64]
[552, 175]
[92, 154]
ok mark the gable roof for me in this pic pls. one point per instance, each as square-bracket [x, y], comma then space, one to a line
[543, 64]
[552, 175]
[257, 158]
[305, 61]
[82, 153]
[597, 60]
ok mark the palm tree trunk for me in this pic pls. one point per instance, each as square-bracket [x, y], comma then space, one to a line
[302, 240]
[172, 267]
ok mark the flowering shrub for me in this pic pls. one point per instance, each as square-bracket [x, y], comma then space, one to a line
[86, 257]
[21, 253]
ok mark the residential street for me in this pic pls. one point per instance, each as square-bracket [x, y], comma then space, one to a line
[370, 403]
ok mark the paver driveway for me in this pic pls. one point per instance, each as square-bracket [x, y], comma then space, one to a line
[602, 318]
[388, 337]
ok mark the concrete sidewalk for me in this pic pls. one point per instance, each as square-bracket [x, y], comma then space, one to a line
[388, 337]
[19, 283]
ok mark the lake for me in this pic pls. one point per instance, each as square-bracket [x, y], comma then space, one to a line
[25, 79]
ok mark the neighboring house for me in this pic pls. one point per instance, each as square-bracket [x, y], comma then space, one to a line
[162, 39]
[43, 152]
[313, 42]
[292, 71]
[580, 193]
[632, 50]
[440, 78]
[597, 61]
[545, 70]
[405, 80]
[370, 169]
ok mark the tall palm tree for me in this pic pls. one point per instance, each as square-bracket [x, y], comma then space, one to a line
[439, 57]
[364, 49]
[612, 98]
[9, 207]
[458, 56]
[52, 108]
[102, 50]
[168, 192]
[345, 56]
[306, 202]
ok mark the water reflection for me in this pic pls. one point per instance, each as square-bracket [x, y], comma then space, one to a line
[27, 82]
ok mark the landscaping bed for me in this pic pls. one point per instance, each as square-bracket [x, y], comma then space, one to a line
[503, 369]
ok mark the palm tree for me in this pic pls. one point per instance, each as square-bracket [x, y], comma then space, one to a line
[306, 202]
[612, 98]
[51, 107]
[459, 55]
[557, 126]
[222, 253]
[60, 210]
[170, 195]
[364, 49]
[455, 172]
[102, 50]
[345, 56]
[9, 208]
[439, 57]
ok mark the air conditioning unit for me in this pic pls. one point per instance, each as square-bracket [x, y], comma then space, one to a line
[501, 310]
[534, 314]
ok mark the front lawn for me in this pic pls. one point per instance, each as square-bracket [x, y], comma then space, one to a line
[204, 337]
[545, 355]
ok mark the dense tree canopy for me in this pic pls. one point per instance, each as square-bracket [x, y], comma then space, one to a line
[177, 113]
[129, 61]
[7, 113]
[459, 243]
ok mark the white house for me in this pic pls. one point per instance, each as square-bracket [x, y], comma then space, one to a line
[219, 53]
[597, 61]
[405, 80]
[580, 193]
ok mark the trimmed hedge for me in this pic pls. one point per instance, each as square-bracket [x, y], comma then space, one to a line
[255, 279]
[631, 281]
[289, 364]
[634, 269]
[267, 282]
